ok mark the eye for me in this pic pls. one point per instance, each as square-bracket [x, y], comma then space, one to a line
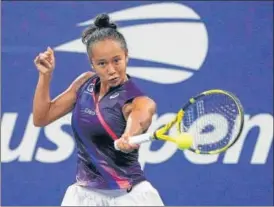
[102, 64]
[117, 60]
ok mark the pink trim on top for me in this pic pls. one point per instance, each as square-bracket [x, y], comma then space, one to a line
[100, 117]
[122, 183]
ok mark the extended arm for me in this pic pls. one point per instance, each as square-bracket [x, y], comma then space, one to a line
[139, 118]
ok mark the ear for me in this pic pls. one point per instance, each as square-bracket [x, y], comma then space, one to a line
[90, 62]
[126, 53]
[92, 67]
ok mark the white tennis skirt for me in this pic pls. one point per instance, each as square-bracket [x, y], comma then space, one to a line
[143, 194]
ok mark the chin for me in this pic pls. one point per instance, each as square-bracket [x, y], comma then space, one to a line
[114, 84]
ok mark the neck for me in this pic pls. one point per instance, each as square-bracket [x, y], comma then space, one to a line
[104, 87]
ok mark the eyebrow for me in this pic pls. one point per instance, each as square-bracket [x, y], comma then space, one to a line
[100, 60]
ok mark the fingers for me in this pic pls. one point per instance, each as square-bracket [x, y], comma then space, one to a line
[50, 50]
[44, 56]
[48, 54]
[126, 137]
[45, 61]
[51, 53]
[37, 62]
[124, 146]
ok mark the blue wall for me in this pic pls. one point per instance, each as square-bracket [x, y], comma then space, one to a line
[204, 45]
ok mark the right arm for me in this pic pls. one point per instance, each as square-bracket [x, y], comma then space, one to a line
[45, 110]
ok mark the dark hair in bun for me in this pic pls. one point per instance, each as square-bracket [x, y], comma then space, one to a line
[102, 29]
[102, 21]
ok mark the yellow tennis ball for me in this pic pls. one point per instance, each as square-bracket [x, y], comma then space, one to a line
[184, 141]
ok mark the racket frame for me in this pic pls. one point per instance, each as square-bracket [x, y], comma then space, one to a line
[160, 134]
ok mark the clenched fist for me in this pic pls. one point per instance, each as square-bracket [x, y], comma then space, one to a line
[45, 62]
[123, 145]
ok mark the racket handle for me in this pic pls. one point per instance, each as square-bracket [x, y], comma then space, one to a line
[138, 139]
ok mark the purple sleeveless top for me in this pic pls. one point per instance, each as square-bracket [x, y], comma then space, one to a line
[95, 126]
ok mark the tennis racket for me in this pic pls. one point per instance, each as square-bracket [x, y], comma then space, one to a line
[208, 123]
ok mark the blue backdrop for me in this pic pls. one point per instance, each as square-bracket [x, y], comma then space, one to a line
[177, 50]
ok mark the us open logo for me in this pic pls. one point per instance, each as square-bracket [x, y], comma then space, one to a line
[171, 38]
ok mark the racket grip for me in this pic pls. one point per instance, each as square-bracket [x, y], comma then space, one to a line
[138, 139]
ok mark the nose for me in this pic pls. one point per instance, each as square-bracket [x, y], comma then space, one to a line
[111, 70]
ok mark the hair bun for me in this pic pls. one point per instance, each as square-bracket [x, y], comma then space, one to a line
[102, 21]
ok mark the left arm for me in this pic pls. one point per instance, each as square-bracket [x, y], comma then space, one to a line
[139, 117]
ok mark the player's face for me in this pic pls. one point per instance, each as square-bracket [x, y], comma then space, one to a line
[109, 60]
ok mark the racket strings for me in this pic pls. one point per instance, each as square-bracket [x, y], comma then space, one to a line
[231, 113]
[213, 120]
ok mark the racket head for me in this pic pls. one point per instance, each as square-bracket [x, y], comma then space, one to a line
[215, 119]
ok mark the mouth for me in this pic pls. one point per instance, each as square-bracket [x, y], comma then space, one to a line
[113, 80]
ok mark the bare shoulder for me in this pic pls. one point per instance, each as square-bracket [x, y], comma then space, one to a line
[140, 103]
[145, 101]
[81, 79]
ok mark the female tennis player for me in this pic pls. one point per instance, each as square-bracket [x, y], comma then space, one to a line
[106, 105]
